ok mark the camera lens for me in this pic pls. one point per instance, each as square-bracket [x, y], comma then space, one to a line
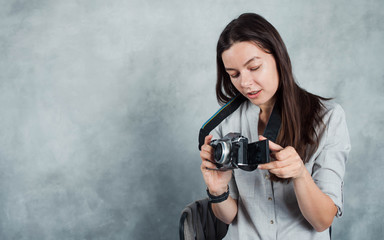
[218, 152]
[221, 152]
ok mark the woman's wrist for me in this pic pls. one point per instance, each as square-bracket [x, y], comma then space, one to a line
[217, 198]
[219, 191]
[302, 174]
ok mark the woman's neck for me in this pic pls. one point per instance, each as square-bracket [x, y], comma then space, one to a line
[266, 109]
[265, 113]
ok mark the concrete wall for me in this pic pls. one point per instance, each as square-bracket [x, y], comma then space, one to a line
[101, 103]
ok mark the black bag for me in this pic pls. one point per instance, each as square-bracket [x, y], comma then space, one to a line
[198, 222]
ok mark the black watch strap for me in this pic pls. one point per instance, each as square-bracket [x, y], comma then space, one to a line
[218, 199]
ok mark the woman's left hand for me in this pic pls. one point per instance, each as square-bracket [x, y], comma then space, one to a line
[287, 164]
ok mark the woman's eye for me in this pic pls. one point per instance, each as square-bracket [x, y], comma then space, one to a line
[255, 68]
[234, 75]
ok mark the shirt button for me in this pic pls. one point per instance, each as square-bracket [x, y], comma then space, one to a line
[272, 222]
[270, 199]
[266, 176]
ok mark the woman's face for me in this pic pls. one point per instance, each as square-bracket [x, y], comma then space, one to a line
[253, 72]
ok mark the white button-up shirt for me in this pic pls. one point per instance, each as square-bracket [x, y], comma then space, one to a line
[269, 210]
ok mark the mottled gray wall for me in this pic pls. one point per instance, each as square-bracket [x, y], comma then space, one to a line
[101, 103]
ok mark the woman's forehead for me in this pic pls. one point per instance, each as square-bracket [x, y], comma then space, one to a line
[243, 53]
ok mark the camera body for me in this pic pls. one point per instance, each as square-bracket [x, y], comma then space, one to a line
[233, 151]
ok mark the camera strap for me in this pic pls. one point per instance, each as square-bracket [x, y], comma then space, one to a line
[270, 132]
[219, 116]
[273, 126]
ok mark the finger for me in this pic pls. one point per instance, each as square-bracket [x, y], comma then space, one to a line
[208, 139]
[207, 148]
[206, 152]
[274, 165]
[272, 146]
[288, 152]
[206, 156]
[261, 138]
[285, 172]
[206, 165]
[285, 157]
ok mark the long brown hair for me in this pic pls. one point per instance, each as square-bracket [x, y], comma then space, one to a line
[300, 110]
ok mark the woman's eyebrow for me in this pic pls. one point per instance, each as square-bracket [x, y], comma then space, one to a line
[250, 60]
[245, 64]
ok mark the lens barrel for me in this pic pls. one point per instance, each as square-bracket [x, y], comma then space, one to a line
[218, 152]
[221, 152]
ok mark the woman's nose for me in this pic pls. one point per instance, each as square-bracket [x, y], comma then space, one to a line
[246, 79]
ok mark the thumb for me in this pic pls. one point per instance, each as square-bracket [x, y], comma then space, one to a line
[272, 146]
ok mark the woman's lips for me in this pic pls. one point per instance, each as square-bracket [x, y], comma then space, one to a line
[253, 94]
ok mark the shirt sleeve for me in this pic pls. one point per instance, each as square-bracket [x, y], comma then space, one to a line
[329, 167]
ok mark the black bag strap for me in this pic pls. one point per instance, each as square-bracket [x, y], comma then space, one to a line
[270, 132]
[219, 116]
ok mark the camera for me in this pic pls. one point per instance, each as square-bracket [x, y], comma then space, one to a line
[233, 151]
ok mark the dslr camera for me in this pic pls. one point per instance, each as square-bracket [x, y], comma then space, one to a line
[233, 151]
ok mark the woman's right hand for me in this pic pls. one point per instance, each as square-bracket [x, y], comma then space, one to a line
[216, 181]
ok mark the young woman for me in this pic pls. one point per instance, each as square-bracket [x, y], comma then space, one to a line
[298, 194]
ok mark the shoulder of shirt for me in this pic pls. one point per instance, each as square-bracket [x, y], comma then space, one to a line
[331, 108]
[234, 118]
[241, 110]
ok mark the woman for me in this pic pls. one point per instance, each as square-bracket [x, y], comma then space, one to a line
[298, 194]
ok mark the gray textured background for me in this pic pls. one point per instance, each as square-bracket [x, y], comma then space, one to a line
[101, 103]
